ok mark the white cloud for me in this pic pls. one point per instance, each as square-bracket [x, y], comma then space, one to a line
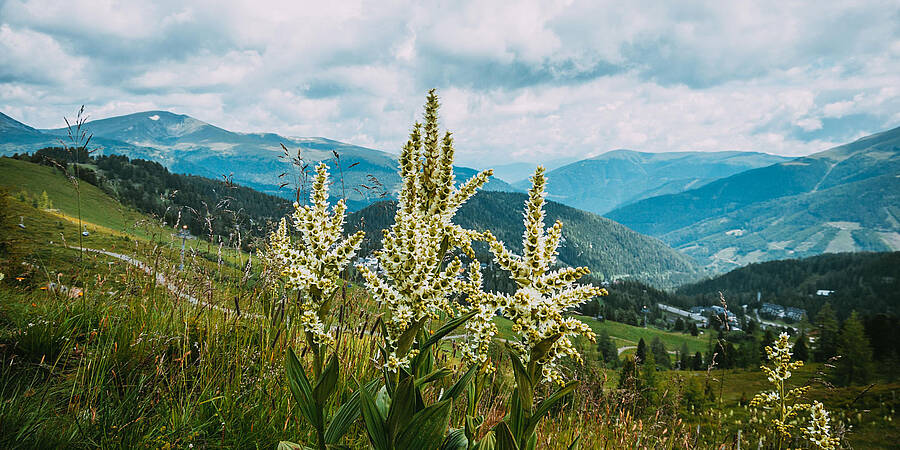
[838, 109]
[201, 72]
[29, 55]
[532, 80]
[809, 124]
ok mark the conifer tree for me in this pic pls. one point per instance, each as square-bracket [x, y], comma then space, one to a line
[45, 202]
[607, 349]
[685, 362]
[698, 361]
[660, 354]
[800, 349]
[827, 324]
[855, 364]
[749, 353]
[641, 354]
[628, 379]
[649, 379]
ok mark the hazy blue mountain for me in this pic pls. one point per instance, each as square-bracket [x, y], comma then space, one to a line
[842, 199]
[10, 126]
[619, 177]
[187, 145]
[607, 248]
[517, 173]
[15, 135]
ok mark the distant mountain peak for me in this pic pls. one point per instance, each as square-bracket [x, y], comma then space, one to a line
[617, 153]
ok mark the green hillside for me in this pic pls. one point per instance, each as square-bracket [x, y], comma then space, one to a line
[858, 216]
[97, 207]
[627, 336]
[666, 213]
[842, 199]
[108, 222]
[619, 177]
[609, 249]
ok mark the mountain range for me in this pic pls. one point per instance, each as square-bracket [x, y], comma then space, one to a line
[186, 145]
[843, 199]
[620, 177]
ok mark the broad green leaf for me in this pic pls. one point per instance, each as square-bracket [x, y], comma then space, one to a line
[426, 429]
[388, 380]
[374, 421]
[327, 382]
[505, 439]
[383, 401]
[531, 443]
[540, 350]
[545, 406]
[517, 419]
[403, 406]
[472, 395]
[523, 382]
[488, 442]
[456, 440]
[404, 342]
[448, 327]
[286, 445]
[433, 376]
[423, 363]
[460, 384]
[345, 416]
[301, 390]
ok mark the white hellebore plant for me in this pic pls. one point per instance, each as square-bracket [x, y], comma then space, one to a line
[541, 298]
[312, 264]
[784, 402]
[819, 430]
[415, 284]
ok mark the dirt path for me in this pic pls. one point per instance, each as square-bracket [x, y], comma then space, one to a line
[627, 347]
[161, 280]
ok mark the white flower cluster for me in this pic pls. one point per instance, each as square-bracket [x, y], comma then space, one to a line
[780, 355]
[537, 306]
[819, 430]
[313, 263]
[415, 286]
[782, 400]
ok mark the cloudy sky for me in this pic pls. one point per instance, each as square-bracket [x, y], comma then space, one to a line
[529, 81]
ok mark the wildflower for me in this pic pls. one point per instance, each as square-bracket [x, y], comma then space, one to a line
[312, 266]
[536, 308]
[781, 400]
[819, 430]
[416, 284]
